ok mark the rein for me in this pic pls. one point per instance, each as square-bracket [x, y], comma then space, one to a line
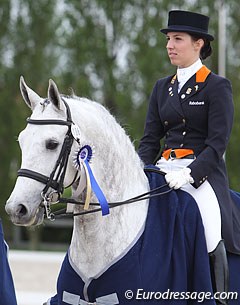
[56, 178]
[62, 213]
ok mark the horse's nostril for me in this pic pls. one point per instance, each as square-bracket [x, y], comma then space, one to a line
[21, 210]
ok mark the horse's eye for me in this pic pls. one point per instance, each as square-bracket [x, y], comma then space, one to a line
[51, 144]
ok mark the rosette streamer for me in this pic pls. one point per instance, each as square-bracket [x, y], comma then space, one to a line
[83, 158]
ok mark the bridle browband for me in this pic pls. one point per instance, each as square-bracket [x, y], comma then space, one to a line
[56, 178]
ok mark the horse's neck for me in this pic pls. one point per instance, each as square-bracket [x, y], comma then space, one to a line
[98, 240]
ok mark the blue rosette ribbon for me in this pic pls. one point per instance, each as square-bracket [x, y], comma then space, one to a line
[83, 157]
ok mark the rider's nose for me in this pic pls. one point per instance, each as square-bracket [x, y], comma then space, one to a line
[169, 45]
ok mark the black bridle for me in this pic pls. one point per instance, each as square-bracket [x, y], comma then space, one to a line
[56, 179]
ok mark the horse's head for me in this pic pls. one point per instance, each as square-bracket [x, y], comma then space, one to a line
[43, 161]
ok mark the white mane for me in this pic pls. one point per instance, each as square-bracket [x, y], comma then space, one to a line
[114, 153]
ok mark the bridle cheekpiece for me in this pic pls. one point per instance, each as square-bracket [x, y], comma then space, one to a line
[56, 178]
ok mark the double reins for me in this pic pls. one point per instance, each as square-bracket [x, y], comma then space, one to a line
[148, 195]
[56, 178]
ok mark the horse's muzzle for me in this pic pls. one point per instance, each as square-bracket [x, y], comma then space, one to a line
[20, 215]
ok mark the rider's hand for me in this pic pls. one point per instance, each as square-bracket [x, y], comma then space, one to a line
[177, 179]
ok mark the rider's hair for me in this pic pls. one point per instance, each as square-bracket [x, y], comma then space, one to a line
[206, 50]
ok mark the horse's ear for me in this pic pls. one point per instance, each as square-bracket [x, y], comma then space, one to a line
[30, 97]
[54, 95]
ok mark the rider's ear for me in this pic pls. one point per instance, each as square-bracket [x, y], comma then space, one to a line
[54, 95]
[30, 97]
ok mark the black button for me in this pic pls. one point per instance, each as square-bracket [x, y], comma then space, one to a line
[172, 154]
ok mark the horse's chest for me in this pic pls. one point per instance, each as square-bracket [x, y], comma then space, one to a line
[106, 287]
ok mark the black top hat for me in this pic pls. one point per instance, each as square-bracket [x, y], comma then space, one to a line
[188, 22]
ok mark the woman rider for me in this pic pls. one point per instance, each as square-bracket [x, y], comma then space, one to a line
[192, 112]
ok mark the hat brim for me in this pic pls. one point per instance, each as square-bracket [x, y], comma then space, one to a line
[184, 30]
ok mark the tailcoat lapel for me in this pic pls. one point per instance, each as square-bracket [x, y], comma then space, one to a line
[195, 84]
[192, 87]
[173, 95]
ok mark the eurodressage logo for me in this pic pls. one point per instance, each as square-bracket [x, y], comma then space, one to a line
[199, 296]
[196, 103]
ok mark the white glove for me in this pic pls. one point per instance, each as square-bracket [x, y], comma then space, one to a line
[177, 179]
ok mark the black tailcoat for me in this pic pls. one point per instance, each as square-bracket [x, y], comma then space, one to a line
[199, 117]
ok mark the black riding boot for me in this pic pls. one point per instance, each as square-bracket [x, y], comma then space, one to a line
[219, 271]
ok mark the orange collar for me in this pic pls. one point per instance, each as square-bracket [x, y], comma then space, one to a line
[202, 74]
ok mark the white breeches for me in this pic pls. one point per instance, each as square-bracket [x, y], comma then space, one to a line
[205, 198]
